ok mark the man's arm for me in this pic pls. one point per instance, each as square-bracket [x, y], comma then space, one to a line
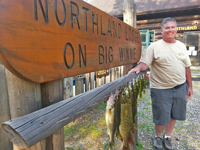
[140, 67]
[189, 81]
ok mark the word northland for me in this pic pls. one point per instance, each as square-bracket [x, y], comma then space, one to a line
[82, 19]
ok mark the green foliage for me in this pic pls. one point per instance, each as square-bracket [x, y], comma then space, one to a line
[85, 128]
[149, 103]
[102, 106]
[70, 130]
[106, 146]
[69, 148]
[148, 127]
[140, 146]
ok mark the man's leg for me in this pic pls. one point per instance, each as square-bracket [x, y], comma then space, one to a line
[170, 127]
[159, 130]
[157, 141]
[166, 139]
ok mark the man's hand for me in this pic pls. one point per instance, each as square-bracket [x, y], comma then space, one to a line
[190, 92]
[140, 67]
[189, 81]
[136, 70]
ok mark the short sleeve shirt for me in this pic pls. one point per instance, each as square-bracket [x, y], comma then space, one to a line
[168, 62]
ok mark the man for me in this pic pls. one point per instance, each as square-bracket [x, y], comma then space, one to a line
[170, 82]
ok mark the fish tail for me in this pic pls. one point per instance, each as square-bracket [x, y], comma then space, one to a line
[125, 147]
[118, 135]
[131, 140]
[133, 129]
[111, 144]
[140, 94]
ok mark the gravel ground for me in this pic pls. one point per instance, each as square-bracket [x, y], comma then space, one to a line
[186, 134]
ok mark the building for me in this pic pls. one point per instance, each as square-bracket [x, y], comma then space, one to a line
[151, 13]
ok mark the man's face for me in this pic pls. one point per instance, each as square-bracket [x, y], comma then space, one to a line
[169, 31]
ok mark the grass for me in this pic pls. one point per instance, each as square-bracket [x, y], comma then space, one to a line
[101, 106]
[148, 127]
[106, 146]
[86, 127]
[140, 146]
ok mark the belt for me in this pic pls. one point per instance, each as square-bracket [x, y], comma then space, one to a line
[176, 87]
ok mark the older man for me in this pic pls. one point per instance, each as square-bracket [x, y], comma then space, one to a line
[170, 82]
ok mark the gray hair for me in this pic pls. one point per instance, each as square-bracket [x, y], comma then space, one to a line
[168, 19]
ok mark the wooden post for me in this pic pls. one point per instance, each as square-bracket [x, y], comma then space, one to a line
[52, 92]
[5, 143]
[129, 17]
[24, 98]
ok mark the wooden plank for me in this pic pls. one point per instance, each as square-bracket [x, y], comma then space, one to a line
[92, 80]
[52, 92]
[108, 78]
[79, 85]
[87, 82]
[24, 98]
[27, 130]
[112, 74]
[68, 87]
[5, 143]
[102, 80]
[49, 40]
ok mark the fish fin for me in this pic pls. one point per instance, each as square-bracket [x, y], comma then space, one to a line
[131, 140]
[111, 144]
[118, 135]
[125, 148]
[133, 129]
[122, 139]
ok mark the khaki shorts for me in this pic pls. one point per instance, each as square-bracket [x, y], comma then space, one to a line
[169, 104]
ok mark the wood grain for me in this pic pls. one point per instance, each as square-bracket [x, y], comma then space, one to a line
[48, 40]
[5, 143]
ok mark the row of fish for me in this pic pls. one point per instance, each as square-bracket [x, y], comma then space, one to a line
[121, 111]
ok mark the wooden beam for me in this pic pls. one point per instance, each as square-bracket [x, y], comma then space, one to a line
[27, 130]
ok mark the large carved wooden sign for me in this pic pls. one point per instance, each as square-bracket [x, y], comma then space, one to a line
[45, 40]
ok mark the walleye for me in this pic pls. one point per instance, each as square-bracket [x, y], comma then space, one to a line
[110, 117]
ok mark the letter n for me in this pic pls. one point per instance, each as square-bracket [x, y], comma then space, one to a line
[44, 13]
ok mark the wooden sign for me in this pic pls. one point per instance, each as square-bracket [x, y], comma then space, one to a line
[45, 40]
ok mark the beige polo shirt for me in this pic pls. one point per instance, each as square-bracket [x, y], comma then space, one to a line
[168, 62]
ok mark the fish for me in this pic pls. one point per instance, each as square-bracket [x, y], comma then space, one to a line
[136, 90]
[126, 125]
[140, 87]
[118, 107]
[144, 81]
[110, 117]
[133, 106]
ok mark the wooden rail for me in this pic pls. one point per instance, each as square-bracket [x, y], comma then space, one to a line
[27, 130]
